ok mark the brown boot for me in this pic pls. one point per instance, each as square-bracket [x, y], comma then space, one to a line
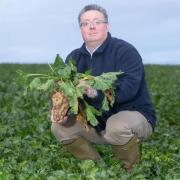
[129, 153]
[82, 149]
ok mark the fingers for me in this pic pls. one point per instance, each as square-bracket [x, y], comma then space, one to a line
[63, 121]
[91, 93]
[88, 90]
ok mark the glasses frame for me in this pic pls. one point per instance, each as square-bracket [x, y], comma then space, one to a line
[87, 24]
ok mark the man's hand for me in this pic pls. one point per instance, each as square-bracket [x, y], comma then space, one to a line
[88, 90]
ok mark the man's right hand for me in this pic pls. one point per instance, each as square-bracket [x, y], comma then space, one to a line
[88, 90]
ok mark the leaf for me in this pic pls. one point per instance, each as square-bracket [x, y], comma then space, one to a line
[91, 113]
[70, 92]
[47, 85]
[91, 117]
[58, 63]
[105, 104]
[99, 84]
[102, 82]
[79, 92]
[35, 83]
[72, 64]
[65, 73]
[74, 104]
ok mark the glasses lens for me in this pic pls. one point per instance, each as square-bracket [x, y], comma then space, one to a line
[92, 23]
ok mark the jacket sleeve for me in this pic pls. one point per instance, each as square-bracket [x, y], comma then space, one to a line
[127, 86]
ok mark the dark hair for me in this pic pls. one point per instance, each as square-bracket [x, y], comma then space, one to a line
[93, 7]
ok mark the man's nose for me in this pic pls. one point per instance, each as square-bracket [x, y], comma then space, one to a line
[91, 25]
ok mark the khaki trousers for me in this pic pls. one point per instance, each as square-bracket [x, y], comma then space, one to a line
[120, 128]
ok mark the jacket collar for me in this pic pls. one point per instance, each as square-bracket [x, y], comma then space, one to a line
[99, 49]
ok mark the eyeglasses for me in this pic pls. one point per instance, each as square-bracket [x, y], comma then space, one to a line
[88, 24]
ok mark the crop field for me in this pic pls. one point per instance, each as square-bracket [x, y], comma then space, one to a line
[28, 150]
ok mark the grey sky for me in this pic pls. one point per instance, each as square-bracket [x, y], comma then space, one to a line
[36, 30]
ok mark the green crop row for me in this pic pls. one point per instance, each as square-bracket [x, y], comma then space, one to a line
[28, 150]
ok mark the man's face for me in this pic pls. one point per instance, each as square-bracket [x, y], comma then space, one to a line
[94, 29]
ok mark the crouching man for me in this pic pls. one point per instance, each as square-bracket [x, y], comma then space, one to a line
[132, 118]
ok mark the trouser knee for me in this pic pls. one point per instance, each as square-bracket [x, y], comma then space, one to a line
[117, 132]
[64, 135]
[117, 136]
[121, 127]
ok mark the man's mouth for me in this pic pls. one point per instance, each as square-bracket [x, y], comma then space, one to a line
[93, 34]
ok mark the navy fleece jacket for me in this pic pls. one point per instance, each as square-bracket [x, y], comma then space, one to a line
[131, 91]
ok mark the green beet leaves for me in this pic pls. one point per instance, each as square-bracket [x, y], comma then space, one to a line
[64, 77]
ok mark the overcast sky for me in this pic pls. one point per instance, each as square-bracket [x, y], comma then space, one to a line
[35, 31]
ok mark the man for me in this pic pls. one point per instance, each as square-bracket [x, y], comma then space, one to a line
[132, 117]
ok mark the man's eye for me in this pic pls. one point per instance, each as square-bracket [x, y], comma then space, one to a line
[97, 22]
[84, 24]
